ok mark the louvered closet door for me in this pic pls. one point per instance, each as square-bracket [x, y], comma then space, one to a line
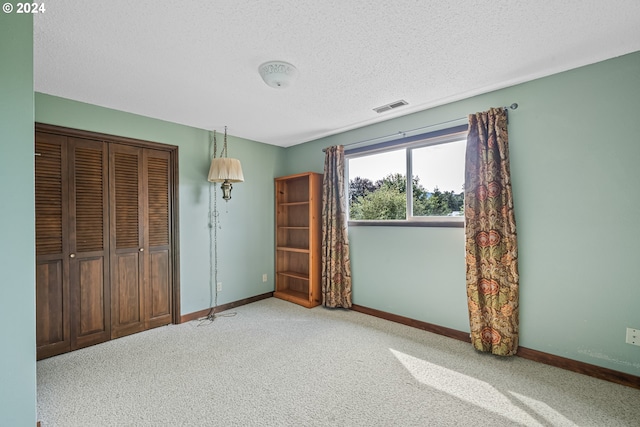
[52, 261]
[89, 243]
[157, 234]
[127, 255]
[140, 244]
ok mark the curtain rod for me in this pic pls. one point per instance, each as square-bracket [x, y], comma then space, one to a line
[403, 133]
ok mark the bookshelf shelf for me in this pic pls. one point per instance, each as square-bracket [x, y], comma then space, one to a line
[298, 204]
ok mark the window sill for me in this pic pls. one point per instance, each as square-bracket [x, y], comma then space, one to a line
[451, 222]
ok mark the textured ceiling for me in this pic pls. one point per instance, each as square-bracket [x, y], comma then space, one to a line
[196, 62]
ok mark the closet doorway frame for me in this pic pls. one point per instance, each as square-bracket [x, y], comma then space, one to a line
[174, 229]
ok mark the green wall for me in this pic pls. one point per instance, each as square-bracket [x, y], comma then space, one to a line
[245, 236]
[17, 252]
[575, 162]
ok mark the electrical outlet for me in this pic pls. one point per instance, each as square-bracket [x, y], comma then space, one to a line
[219, 287]
[264, 277]
[633, 336]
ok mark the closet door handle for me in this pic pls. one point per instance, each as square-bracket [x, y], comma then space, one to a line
[72, 256]
[141, 249]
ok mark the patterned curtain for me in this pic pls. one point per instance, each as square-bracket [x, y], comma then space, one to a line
[336, 266]
[490, 236]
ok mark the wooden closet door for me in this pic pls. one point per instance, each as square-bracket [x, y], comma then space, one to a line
[127, 256]
[52, 253]
[141, 269]
[157, 234]
[89, 243]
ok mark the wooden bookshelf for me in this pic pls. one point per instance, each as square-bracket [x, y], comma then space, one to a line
[298, 240]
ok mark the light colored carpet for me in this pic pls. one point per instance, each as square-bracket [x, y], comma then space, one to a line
[279, 364]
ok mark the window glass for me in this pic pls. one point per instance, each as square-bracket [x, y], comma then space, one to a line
[438, 179]
[378, 184]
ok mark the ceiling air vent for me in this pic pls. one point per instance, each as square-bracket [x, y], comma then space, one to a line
[390, 106]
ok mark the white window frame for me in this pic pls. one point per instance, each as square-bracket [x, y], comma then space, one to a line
[409, 144]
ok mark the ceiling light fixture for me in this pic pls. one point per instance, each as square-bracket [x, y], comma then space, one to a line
[278, 74]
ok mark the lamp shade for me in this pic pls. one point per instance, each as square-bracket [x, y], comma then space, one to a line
[225, 169]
